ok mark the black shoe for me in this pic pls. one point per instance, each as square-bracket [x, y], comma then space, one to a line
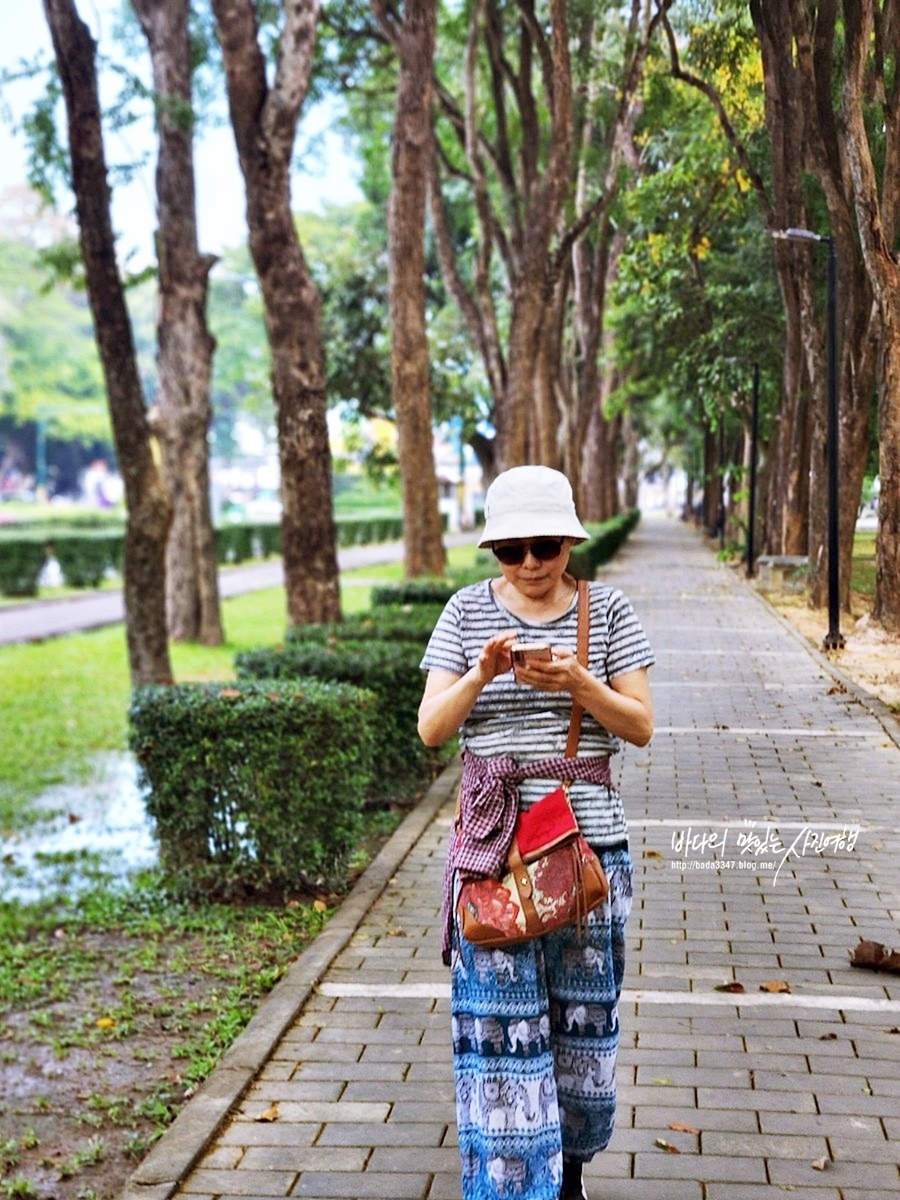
[572, 1184]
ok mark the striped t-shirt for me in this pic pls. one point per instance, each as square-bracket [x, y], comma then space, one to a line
[513, 719]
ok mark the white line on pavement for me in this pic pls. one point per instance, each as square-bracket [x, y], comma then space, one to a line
[775, 731]
[704, 822]
[439, 991]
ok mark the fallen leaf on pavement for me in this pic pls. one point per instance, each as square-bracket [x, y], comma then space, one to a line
[730, 987]
[667, 1146]
[270, 1114]
[875, 957]
[777, 986]
[679, 1128]
[821, 1164]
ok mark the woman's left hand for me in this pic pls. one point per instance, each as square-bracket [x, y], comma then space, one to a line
[562, 673]
[622, 706]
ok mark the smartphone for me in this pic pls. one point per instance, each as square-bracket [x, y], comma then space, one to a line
[523, 653]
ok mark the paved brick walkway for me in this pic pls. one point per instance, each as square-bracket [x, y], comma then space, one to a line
[765, 846]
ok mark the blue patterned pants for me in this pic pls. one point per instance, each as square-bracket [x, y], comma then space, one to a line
[535, 1036]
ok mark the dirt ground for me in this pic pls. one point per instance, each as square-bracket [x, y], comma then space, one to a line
[871, 657]
[83, 1092]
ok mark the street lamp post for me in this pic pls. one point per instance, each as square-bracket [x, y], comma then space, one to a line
[833, 639]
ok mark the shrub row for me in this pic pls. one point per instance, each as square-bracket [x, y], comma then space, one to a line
[240, 542]
[416, 593]
[86, 555]
[364, 531]
[604, 542]
[258, 786]
[387, 623]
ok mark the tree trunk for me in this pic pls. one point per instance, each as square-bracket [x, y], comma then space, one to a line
[877, 218]
[264, 119]
[886, 608]
[413, 38]
[185, 346]
[147, 501]
[601, 466]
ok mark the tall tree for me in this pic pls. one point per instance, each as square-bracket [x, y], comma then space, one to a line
[799, 61]
[527, 153]
[872, 66]
[184, 344]
[540, 140]
[413, 36]
[264, 118]
[148, 505]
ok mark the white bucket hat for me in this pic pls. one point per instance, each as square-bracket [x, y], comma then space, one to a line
[530, 502]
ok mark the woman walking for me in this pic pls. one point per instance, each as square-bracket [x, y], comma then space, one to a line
[535, 1025]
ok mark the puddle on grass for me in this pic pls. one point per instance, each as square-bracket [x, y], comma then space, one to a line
[97, 830]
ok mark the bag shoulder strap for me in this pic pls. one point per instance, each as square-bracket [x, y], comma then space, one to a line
[584, 634]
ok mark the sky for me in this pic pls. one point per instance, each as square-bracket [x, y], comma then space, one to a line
[220, 197]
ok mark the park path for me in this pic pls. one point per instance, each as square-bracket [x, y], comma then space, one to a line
[764, 834]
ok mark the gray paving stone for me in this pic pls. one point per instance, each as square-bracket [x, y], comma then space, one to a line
[268, 1133]
[871, 1178]
[396, 1158]
[368, 1186]
[423, 1136]
[659, 1164]
[743, 1191]
[257, 1184]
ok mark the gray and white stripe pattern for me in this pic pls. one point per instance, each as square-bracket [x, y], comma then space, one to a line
[526, 724]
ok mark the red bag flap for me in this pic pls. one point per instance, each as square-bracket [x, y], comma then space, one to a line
[549, 821]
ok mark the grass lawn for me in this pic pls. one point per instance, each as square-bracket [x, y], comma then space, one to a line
[862, 574]
[65, 700]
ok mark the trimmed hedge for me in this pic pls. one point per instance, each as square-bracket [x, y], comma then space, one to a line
[387, 623]
[605, 540]
[390, 670]
[254, 787]
[364, 531]
[87, 549]
[21, 560]
[86, 558]
[425, 590]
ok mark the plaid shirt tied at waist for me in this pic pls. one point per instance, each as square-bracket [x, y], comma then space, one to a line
[487, 811]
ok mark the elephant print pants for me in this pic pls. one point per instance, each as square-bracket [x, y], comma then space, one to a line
[535, 1036]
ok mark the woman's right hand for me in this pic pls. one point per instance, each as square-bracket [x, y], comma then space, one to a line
[449, 698]
[495, 658]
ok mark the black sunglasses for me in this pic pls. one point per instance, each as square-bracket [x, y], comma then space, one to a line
[543, 549]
